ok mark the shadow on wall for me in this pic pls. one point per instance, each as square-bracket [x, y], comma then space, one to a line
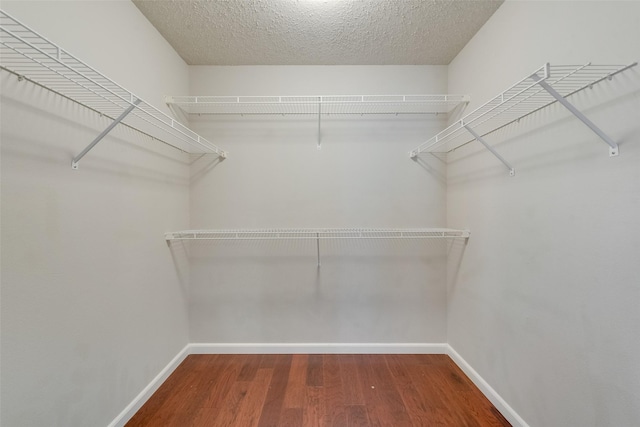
[293, 130]
[428, 161]
[180, 256]
[335, 253]
[274, 291]
[69, 127]
[455, 254]
[202, 164]
[458, 111]
[538, 134]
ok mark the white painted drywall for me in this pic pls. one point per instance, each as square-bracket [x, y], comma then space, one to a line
[92, 308]
[272, 292]
[546, 305]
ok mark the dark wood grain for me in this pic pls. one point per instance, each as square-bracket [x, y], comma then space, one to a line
[351, 383]
[357, 416]
[383, 401]
[250, 367]
[251, 407]
[313, 408]
[291, 417]
[226, 415]
[423, 403]
[294, 396]
[315, 370]
[318, 390]
[334, 410]
[274, 402]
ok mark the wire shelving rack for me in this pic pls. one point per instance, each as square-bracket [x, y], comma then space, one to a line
[318, 234]
[34, 58]
[545, 86]
[315, 105]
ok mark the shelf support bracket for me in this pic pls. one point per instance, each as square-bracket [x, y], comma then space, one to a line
[318, 247]
[76, 159]
[512, 171]
[319, 123]
[613, 147]
[177, 112]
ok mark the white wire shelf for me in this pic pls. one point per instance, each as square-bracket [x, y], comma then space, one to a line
[315, 105]
[545, 86]
[319, 234]
[32, 57]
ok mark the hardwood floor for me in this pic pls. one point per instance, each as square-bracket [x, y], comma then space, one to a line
[318, 390]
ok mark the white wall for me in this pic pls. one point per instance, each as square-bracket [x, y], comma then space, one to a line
[365, 291]
[546, 302]
[92, 309]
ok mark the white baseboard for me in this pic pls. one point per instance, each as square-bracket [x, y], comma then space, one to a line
[318, 348]
[501, 405]
[146, 393]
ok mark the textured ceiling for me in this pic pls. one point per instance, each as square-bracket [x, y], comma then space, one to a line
[318, 32]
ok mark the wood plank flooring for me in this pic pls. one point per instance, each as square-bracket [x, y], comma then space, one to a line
[318, 390]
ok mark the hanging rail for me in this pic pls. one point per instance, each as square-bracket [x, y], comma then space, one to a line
[34, 58]
[318, 234]
[543, 87]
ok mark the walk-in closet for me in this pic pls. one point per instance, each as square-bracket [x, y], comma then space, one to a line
[320, 213]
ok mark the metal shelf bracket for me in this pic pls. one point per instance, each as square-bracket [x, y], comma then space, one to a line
[613, 146]
[512, 171]
[125, 113]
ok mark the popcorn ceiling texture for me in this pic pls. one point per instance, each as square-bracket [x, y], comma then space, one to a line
[318, 32]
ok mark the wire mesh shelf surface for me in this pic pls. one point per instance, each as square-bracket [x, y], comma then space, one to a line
[319, 233]
[33, 57]
[520, 100]
[314, 105]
